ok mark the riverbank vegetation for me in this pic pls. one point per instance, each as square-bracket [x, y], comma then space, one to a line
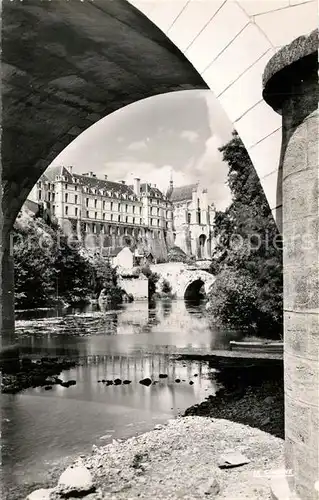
[176, 254]
[247, 258]
[48, 270]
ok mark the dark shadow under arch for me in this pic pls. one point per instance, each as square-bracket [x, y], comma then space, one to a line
[194, 291]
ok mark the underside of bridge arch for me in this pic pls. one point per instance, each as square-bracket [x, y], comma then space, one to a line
[195, 290]
[229, 43]
[66, 65]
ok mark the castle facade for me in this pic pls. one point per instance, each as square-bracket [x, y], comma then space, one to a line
[193, 218]
[137, 215]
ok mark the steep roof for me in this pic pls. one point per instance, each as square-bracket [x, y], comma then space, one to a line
[115, 251]
[51, 172]
[182, 193]
[153, 191]
[96, 183]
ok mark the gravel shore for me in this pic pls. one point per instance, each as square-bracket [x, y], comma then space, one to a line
[180, 460]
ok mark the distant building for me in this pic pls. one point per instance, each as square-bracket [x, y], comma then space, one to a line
[121, 213]
[193, 218]
[138, 216]
[122, 257]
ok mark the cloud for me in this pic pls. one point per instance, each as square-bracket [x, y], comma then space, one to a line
[137, 146]
[179, 132]
[190, 135]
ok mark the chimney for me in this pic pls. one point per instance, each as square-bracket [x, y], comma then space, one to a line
[137, 186]
[122, 182]
[92, 174]
[70, 169]
[105, 177]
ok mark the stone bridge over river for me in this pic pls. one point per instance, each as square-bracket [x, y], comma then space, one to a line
[184, 280]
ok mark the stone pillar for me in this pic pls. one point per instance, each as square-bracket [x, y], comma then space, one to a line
[9, 353]
[291, 88]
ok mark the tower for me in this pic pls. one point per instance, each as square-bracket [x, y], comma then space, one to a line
[171, 186]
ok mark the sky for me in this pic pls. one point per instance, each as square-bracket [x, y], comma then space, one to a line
[169, 135]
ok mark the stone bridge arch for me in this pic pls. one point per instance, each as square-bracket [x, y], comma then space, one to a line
[229, 43]
[180, 278]
[195, 280]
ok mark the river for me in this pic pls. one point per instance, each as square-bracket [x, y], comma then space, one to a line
[135, 341]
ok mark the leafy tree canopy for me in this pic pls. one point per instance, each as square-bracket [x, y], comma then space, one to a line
[247, 257]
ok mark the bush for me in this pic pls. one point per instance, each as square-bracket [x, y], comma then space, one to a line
[236, 301]
[248, 291]
[166, 287]
[152, 280]
[176, 254]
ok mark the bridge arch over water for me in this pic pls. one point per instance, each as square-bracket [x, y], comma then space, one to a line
[185, 282]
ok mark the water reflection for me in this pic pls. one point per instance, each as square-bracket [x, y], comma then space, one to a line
[132, 342]
[164, 326]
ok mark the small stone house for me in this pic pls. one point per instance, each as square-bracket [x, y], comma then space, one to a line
[122, 257]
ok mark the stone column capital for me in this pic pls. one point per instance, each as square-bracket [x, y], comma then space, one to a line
[288, 67]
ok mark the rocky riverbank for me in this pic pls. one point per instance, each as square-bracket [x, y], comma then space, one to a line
[36, 373]
[252, 396]
[183, 459]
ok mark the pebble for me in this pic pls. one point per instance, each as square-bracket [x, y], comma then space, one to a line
[41, 494]
[75, 480]
[211, 488]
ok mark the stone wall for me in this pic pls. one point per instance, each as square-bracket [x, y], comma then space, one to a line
[138, 287]
[180, 276]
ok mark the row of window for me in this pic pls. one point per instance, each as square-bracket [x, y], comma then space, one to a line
[49, 186]
[153, 222]
[154, 211]
[51, 196]
[109, 230]
[104, 192]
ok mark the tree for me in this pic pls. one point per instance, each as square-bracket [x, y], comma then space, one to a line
[152, 280]
[48, 269]
[106, 278]
[166, 287]
[247, 258]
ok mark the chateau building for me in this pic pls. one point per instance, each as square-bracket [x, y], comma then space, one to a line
[118, 214]
[193, 218]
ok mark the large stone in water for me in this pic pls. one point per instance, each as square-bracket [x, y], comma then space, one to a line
[76, 480]
[146, 381]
